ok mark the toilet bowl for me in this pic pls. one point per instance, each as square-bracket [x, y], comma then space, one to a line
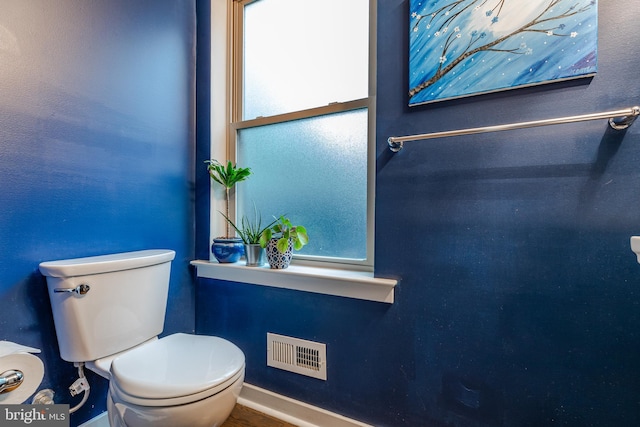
[108, 312]
[178, 380]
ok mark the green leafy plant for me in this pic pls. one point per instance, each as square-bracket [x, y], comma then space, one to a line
[283, 230]
[250, 230]
[227, 177]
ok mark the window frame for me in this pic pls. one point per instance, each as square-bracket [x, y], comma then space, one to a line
[233, 120]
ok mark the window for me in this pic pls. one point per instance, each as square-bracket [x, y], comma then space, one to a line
[302, 118]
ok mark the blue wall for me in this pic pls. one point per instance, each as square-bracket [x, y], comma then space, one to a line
[519, 302]
[96, 154]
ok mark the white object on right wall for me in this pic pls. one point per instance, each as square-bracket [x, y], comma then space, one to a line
[635, 246]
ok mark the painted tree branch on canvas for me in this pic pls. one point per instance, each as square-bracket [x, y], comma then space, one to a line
[467, 47]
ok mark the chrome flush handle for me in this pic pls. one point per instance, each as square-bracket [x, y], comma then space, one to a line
[80, 289]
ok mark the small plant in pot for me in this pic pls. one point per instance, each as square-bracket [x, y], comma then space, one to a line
[281, 239]
[227, 248]
[250, 232]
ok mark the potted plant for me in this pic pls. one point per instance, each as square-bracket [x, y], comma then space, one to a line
[250, 232]
[227, 248]
[280, 239]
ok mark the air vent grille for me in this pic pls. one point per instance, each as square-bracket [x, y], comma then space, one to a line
[296, 355]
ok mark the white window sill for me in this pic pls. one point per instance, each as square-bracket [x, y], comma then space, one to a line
[328, 281]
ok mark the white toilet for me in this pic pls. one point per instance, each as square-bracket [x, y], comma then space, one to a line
[108, 312]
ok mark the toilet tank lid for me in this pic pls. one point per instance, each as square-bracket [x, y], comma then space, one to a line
[105, 263]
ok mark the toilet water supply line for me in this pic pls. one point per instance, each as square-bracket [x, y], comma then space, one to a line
[80, 385]
[45, 397]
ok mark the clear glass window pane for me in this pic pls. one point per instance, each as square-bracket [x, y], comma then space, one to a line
[315, 172]
[300, 54]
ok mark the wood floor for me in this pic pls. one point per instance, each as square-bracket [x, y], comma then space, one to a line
[247, 417]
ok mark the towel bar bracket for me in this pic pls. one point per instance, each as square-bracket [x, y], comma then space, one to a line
[395, 146]
[621, 123]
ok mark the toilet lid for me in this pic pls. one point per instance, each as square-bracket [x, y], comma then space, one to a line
[176, 365]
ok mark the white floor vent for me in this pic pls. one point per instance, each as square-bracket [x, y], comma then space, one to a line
[295, 355]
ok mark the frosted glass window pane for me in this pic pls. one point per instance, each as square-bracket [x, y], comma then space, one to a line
[315, 172]
[300, 54]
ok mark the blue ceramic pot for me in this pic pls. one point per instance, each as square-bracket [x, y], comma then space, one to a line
[227, 250]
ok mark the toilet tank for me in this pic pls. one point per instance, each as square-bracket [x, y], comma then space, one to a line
[124, 306]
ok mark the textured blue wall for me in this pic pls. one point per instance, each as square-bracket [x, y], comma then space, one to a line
[519, 302]
[96, 153]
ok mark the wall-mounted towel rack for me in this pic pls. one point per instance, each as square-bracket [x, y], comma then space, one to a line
[619, 119]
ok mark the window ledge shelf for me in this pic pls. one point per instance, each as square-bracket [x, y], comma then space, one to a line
[328, 281]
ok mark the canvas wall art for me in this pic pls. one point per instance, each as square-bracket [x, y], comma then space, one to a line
[460, 48]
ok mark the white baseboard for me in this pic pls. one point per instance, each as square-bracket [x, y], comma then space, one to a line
[275, 405]
[292, 411]
[99, 421]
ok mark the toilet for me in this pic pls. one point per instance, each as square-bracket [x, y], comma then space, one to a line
[108, 312]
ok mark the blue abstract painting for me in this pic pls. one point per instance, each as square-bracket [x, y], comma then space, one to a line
[459, 48]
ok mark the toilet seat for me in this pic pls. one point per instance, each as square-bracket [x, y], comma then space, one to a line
[117, 393]
[176, 369]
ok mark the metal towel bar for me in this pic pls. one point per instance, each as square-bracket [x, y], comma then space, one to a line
[619, 119]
